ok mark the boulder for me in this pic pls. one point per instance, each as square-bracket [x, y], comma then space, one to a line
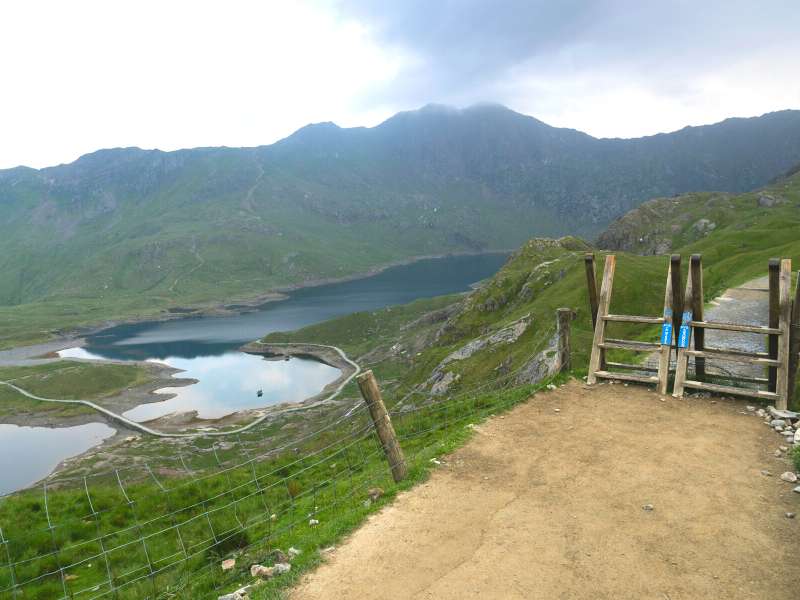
[262, 571]
[768, 201]
[228, 564]
[240, 594]
[789, 477]
[783, 414]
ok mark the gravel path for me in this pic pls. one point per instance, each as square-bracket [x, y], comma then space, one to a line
[549, 505]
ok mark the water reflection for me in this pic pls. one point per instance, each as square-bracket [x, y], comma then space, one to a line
[210, 336]
[28, 454]
[230, 382]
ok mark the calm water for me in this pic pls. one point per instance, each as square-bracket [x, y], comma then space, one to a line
[28, 454]
[205, 348]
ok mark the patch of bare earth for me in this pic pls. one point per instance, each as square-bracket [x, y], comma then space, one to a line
[549, 505]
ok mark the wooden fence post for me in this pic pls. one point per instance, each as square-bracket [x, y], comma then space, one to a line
[794, 344]
[383, 425]
[683, 341]
[564, 317]
[591, 284]
[677, 292]
[774, 314]
[785, 325]
[698, 333]
[665, 351]
[602, 311]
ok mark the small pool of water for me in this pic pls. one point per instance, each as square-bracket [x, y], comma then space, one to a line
[230, 382]
[28, 454]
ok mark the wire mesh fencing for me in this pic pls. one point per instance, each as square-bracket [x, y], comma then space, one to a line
[155, 532]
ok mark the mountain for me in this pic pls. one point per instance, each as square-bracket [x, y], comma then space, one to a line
[504, 328]
[130, 232]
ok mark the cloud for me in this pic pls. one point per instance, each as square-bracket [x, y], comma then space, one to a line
[614, 67]
[78, 76]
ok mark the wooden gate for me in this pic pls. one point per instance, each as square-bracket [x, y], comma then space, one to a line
[776, 359]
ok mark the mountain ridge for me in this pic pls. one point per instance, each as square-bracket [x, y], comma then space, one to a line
[430, 107]
[129, 230]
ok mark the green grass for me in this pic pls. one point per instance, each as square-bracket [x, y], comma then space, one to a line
[65, 380]
[327, 476]
[326, 480]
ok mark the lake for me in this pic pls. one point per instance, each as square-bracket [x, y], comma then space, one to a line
[206, 348]
[27, 454]
[228, 381]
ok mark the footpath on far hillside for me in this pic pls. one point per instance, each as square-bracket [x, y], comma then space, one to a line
[608, 492]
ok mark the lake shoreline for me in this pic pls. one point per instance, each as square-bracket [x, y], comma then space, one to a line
[241, 307]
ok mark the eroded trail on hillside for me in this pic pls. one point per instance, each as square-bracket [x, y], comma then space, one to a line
[547, 502]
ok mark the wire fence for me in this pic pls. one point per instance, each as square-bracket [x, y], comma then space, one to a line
[137, 532]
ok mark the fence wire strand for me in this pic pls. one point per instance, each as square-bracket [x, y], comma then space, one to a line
[245, 505]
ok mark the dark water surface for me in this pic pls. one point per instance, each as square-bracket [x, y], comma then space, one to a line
[228, 380]
[206, 347]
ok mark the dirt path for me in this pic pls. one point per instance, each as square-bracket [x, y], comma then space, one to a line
[548, 505]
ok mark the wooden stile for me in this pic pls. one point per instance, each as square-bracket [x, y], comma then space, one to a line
[597, 366]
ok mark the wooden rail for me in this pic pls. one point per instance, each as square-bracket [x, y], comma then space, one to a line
[683, 327]
[776, 359]
[599, 368]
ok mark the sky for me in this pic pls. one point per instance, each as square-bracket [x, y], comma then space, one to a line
[82, 75]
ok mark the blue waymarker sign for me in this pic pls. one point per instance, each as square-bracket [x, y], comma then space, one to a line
[683, 336]
[666, 334]
[685, 331]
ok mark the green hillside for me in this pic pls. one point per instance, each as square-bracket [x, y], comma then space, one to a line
[543, 275]
[253, 508]
[131, 233]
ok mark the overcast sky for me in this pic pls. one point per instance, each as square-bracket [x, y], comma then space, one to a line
[80, 75]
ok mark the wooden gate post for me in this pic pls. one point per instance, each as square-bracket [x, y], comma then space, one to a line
[784, 323]
[591, 284]
[677, 292]
[564, 317]
[774, 315]
[602, 312]
[383, 425]
[698, 333]
[667, 329]
[683, 336]
[794, 340]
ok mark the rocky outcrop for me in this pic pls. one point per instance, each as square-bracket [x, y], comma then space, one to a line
[442, 378]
